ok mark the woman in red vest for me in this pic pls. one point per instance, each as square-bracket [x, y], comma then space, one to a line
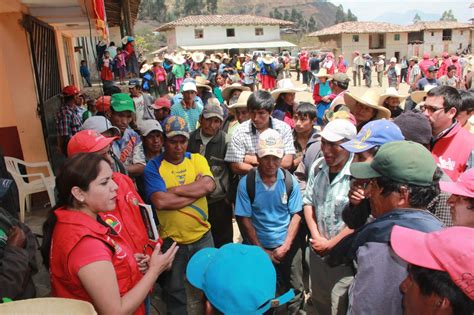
[87, 259]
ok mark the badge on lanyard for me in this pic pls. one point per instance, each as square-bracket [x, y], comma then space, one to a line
[284, 198]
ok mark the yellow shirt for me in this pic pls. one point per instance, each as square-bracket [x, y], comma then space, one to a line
[187, 224]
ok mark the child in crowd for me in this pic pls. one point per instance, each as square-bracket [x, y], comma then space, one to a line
[106, 73]
[121, 64]
[85, 73]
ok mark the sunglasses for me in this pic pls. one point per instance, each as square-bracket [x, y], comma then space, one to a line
[431, 109]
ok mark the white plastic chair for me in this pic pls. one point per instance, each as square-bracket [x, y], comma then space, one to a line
[25, 189]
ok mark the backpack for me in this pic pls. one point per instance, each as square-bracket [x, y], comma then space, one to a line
[250, 183]
[271, 71]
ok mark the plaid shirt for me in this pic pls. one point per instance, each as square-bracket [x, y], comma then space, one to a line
[68, 121]
[191, 115]
[440, 208]
[245, 138]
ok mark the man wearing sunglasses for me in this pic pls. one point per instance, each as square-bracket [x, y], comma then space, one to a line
[452, 146]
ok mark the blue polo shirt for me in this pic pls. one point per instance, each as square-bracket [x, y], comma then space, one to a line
[271, 209]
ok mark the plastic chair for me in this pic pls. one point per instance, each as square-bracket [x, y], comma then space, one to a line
[25, 189]
[47, 306]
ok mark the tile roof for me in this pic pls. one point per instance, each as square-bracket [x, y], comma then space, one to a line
[227, 19]
[381, 27]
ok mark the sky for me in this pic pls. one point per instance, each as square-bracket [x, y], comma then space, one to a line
[367, 10]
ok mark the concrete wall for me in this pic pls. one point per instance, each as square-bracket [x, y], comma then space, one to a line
[20, 126]
[218, 35]
[435, 45]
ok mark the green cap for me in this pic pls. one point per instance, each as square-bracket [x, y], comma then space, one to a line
[121, 102]
[404, 162]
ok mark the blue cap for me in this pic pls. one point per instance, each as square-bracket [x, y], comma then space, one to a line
[176, 126]
[374, 133]
[237, 279]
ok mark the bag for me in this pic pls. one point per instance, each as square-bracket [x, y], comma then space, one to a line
[250, 183]
[271, 71]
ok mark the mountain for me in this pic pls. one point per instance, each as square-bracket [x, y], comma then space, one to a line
[405, 18]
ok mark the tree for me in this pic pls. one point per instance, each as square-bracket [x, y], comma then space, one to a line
[192, 7]
[294, 15]
[351, 16]
[277, 14]
[211, 6]
[448, 16]
[417, 18]
[286, 15]
[340, 15]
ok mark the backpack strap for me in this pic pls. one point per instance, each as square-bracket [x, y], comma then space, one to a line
[250, 183]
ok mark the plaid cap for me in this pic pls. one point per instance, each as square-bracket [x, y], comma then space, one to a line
[176, 126]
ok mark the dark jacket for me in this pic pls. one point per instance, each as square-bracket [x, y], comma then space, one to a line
[214, 153]
[17, 265]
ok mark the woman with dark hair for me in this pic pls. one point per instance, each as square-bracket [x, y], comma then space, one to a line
[285, 105]
[87, 259]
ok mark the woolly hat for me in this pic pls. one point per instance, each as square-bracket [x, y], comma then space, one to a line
[414, 126]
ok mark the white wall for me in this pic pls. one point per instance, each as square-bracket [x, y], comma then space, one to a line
[439, 46]
[218, 35]
[348, 46]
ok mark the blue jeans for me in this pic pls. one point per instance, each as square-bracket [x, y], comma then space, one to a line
[179, 296]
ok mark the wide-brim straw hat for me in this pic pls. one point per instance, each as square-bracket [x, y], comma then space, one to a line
[391, 92]
[146, 67]
[225, 56]
[227, 91]
[381, 56]
[201, 82]
[268, 59]
[323, 73]
[241, 101]
[418, 96]
[370, 98]
[179, 59]
[44, 306]
[198, 56]
[286, 86]
[215, 59]
[158, 60]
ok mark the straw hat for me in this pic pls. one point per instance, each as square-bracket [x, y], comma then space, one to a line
[370, 98]
[215, 59]
[179, 59]
[227, 91]
[198, 56]
[268, 59]
[168, 56]
[44, 306]
[391, 92]
[323, 73]
[157, 59]
[224, 56]
[146, 67]
[241, 101]
[201, 82]
[285, 86]
[418, 96]
[381, 56]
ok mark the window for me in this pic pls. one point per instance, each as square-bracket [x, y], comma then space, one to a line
[460, 46]
[198, 33]
[231, 32]
[396, 37]
[432, 33]
[462, 33]
[355, 38]
[258, 31]
[447, 34]
[432, 48]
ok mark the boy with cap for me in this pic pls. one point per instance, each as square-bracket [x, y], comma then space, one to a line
[161, 109]
[188, 108]
[68, 117]
[142, 101]
[393, 73]
[209, 141]
[129, 146]
[324, 199]
[268, 207]
[429, 79]
[236, 279]
[401, 181]
[440, 272]
[177, 183]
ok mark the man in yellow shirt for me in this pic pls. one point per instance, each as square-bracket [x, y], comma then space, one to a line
[177, 183]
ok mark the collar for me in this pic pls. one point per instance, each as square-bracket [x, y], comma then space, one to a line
[78, 218]
[445, 131]
[346, 169]
[253, 129]
[185, 108]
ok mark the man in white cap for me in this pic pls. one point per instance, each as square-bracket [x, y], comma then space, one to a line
[268, 207]
[324, 199]
[393, 73]
[188, 108]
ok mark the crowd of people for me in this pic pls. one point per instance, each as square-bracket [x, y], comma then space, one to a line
[364, 202]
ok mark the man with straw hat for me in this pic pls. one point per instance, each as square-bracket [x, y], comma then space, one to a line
[368, 70]
[233, 90]
[204, 91]
[197, 58]
[391, 100]
[322, 94]
[249, 71]
[380, 68]
[179, 70]
[238, 113]
[284, 96]
[365, 107]
[414, 73]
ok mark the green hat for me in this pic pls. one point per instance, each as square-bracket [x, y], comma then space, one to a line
[405, 162]
[121, 102]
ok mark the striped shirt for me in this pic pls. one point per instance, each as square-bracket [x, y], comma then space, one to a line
[328, 198]
[245, 138]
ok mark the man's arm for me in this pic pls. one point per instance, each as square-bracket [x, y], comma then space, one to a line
[135, 170]
[249, 230]
[287, 161]
[199, 188]
[280, 252]
[162, 200]
[240, 168]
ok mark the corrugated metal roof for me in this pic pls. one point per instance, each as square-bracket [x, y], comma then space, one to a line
[227, 19]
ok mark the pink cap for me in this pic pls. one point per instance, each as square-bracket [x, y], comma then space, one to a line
[87, 141]
[450, 250]
[161, 102]
[463, 187]
[426, 56]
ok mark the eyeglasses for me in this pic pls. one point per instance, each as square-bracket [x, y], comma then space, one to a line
[431, 109]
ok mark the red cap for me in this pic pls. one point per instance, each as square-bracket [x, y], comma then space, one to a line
[450, 250]
[426, 56]
[454, 58]
[70, 90]
[161, 103]
[445, 55]
[87, 141]
[463, 187]
[103, 103]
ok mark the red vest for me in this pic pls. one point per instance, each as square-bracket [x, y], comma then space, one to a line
[126, 219]
[71, 227]
[452, 151]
